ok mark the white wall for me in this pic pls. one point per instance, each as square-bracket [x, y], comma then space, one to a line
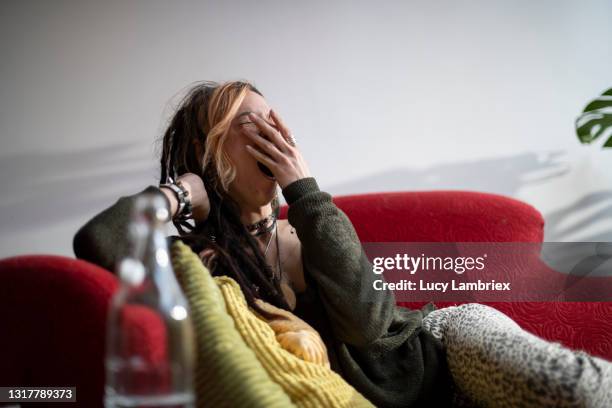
[404, 95]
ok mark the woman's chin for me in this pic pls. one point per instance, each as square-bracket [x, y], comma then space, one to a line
[267, 181]
[271, 192]
[261, 201]
[257, 190]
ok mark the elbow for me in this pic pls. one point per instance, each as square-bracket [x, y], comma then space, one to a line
[77, 243]
[87, 247]
[82, 242]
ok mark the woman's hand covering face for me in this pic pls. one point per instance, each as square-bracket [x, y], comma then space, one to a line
[270, 146]
[295, 335]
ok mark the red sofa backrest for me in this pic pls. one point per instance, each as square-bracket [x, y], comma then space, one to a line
[440, 216]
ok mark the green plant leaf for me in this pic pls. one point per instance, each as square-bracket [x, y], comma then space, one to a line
[596, 119]
[598, 103]
[592, 129]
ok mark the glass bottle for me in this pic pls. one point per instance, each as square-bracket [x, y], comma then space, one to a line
[150, 349]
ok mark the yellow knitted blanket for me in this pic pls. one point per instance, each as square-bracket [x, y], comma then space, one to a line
[240, 362]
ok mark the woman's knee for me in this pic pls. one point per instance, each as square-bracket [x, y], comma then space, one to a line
[437, 321]
[484, 315]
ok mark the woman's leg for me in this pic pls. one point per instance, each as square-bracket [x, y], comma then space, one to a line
[496, 363]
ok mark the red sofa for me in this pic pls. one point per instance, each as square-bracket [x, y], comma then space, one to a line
[53, 309]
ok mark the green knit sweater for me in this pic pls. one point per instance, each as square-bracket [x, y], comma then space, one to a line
[377, 347]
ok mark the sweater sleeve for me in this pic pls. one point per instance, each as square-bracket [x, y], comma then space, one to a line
[103, 239]
[334, 258]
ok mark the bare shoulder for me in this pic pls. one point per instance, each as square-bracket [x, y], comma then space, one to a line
[289, 236]
[291, 256]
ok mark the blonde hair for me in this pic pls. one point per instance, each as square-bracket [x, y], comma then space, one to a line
[222, 108]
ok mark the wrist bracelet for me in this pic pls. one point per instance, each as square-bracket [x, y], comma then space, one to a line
[182, 195]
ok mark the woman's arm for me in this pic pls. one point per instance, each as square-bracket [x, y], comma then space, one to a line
[334, 257]
[103, 240]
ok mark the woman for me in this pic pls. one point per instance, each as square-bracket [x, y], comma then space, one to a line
[228, 151]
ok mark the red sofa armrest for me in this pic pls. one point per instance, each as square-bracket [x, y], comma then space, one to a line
[54, 312]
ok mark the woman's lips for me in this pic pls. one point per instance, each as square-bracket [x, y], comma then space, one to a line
[266, 171]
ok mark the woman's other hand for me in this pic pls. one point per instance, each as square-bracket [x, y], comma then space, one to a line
[274, 147]
[295, 335]
[306, 345]
[197, 193]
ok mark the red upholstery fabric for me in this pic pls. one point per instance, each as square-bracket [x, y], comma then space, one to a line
[53, 312]
[440, 216]
[53, 309]
[53, 317]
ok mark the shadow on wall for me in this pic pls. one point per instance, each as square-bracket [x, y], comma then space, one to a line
[46, 188]
[591, 254]
[41, 189]
[572, 221]
[505, 175]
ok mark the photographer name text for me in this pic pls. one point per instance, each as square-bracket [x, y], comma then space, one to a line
[443, 287]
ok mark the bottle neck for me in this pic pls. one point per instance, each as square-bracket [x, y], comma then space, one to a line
[156, 280]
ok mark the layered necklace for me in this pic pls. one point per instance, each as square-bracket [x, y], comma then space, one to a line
[275, 234]
[261, 227]
[264, 226]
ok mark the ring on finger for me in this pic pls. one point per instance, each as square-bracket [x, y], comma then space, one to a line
[291, 140]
